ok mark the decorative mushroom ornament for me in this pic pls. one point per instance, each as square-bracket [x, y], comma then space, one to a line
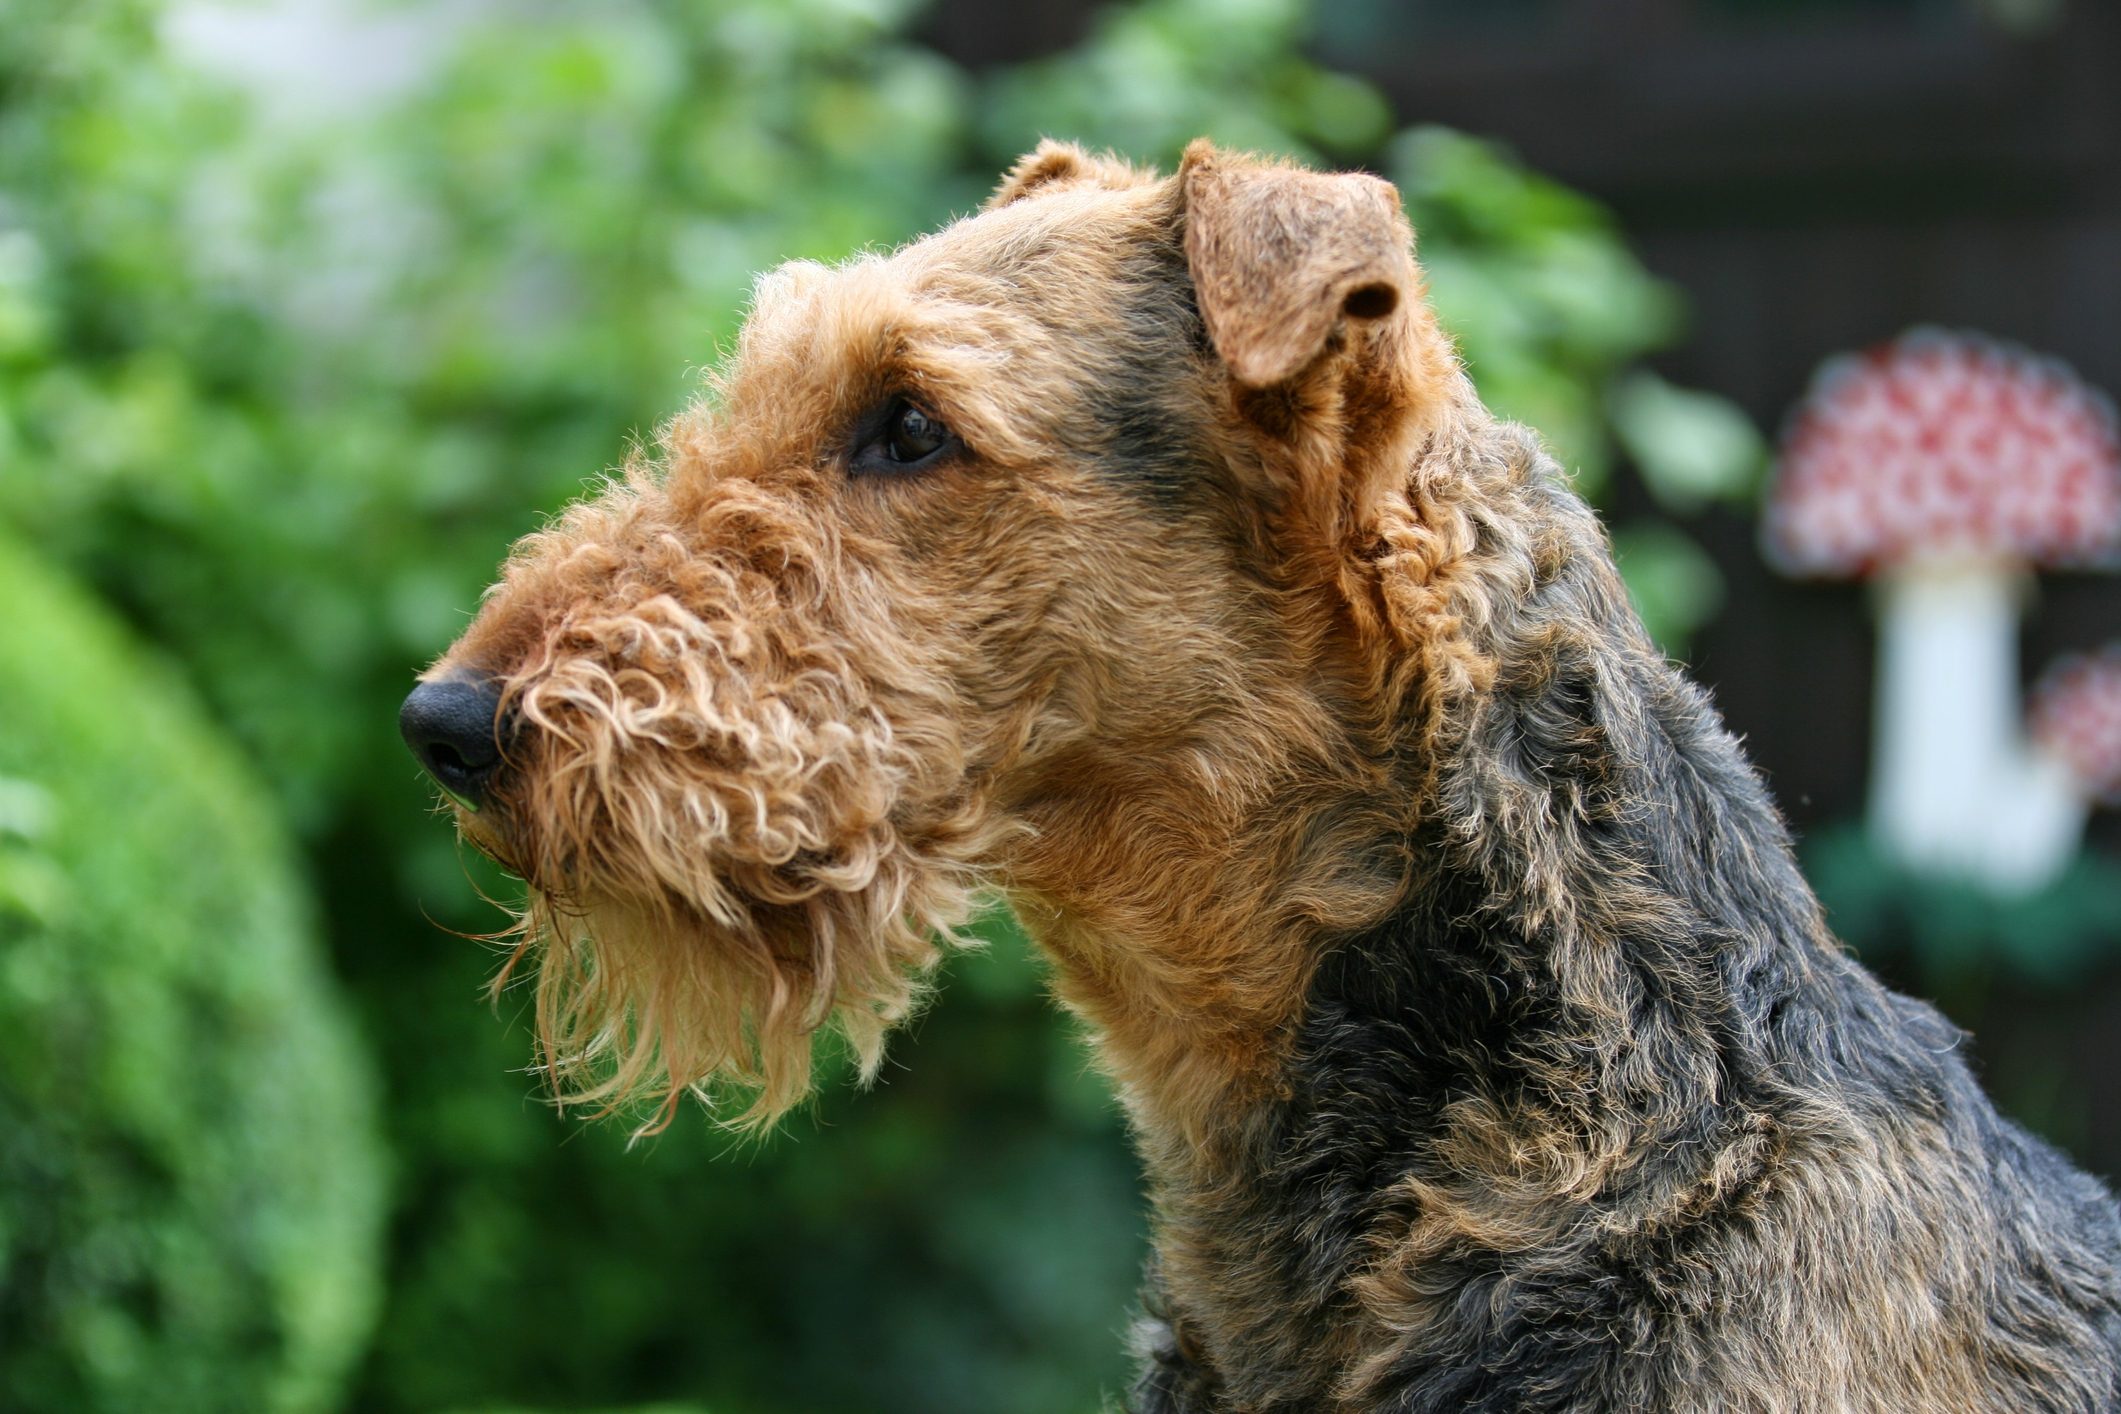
[1947, 467]
[2075, 720]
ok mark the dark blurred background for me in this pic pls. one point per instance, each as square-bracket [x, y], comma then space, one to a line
[309, 307]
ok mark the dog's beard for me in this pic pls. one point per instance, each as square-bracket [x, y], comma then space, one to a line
[646, 1000]
[707, 897]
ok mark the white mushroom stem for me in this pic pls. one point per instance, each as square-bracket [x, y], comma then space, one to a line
[2038, 824]
[1955, 789]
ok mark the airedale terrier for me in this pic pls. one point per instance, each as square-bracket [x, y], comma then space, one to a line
[1137, 550]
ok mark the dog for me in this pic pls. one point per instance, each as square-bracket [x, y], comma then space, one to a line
[1138, 550]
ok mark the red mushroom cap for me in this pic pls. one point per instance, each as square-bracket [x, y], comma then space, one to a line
[1944, 443]
[2076, 714]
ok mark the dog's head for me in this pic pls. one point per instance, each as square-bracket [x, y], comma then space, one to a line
[1030, 550]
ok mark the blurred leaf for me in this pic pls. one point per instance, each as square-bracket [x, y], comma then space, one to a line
[26, 809]
[1692, 448]
[1675, 585]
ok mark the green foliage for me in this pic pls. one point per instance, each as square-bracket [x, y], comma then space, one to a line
[1955, 933]
[284, 391]
[190, 1178]
[1153, 77]
[629, 1409]
[1691, 448]
[1675, 585]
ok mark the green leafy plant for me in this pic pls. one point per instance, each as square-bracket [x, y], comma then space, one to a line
[191, 1180]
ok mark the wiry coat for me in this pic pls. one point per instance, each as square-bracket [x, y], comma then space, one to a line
[1601, 1117]
[1485, 1048]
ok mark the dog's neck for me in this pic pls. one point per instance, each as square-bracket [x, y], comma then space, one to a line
[1184, 927]
[1186, 890]
[1569, 978]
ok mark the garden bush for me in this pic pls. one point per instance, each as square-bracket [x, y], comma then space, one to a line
[190, 1170]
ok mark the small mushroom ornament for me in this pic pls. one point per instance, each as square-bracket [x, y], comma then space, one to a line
[1947, 468]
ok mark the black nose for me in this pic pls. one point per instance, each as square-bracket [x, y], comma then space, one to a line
[452, 726]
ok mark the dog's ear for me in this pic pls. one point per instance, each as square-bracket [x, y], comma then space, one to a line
[1283, 259]
[1055, 164]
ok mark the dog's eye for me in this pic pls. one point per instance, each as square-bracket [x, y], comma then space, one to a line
[913, 435]
[907, 438]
